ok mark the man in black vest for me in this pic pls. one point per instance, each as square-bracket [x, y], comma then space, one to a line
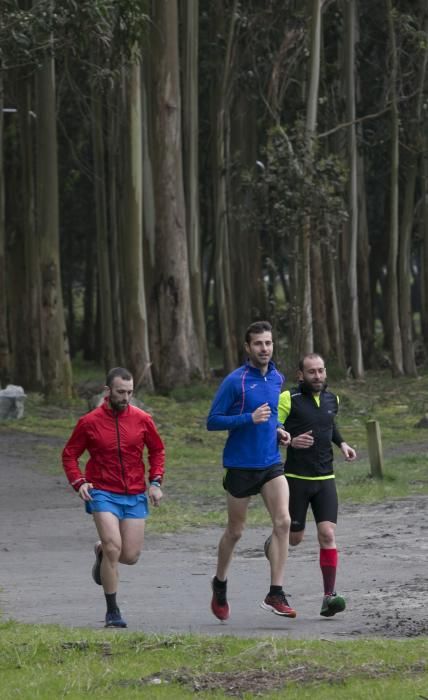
[308, 414]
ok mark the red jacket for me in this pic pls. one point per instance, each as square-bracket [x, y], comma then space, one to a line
[115, 442]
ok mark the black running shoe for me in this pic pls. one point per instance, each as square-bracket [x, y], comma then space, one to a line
[219, 605]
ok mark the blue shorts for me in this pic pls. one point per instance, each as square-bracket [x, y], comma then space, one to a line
[123, 505]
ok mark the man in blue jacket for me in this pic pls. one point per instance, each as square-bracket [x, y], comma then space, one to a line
[246, 404]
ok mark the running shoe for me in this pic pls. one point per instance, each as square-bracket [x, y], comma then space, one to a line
[278, 604]
[219, 605]
[115, 619]
[332, 604]
[267, 545]
[96, 569]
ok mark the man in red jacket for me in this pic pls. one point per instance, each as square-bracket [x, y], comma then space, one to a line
[113, 485]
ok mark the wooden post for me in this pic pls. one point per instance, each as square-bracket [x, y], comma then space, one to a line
[374, 443]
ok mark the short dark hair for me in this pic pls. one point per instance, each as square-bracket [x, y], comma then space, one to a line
[309, 356]
[118, 372]
[256, 328]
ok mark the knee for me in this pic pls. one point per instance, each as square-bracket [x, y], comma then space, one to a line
[111, 550]
[234, 532]
[326, 538]
[296, 538]
[130, 553]
[130, 558]
[281, 525]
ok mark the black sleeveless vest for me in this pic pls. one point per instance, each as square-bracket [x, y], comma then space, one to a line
[306, 415]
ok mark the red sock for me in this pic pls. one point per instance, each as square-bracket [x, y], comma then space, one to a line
[328, 564]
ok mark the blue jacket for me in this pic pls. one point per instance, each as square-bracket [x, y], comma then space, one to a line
[248, 446]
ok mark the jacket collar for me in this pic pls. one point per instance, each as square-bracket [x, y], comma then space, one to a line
[255, 370]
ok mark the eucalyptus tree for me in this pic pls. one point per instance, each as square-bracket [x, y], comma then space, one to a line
[414, 59]
[130, 244]
[353, 208]
[112, 37]
[190, 110]
[424, 238]
[55, 357]
[39, 343]
[304, 342]
[394, 232]
[104, 253]
[5, 369]
[177, 357]
[225, 26]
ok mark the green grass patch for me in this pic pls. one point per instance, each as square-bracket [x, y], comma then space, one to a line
[51, 662]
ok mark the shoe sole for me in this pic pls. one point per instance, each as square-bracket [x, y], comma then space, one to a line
[265, 606]
[335, 607]
[96, 569]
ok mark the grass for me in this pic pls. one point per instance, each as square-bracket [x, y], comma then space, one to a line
[194, 470]
[50, 662]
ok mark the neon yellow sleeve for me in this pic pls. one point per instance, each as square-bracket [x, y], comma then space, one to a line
[284, 406]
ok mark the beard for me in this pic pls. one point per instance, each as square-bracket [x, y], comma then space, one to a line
[118, 405]
[309, 388]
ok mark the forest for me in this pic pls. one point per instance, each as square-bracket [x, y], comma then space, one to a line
[173, 170]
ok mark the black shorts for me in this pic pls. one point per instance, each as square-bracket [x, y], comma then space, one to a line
[242, 483]
[321, 494]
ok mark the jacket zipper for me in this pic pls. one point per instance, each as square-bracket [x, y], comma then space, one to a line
[120, 452]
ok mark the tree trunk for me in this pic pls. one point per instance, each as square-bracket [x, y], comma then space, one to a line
[249, 292]
[333, 314]
[392, 287]
[318, 301]
[25, 317]
[407, 223]
[365, 309]
[55, 356]
[190, 11]
[365, 302]
[136, 345]
[404, 269]
[352, 281]
[103, 258]
[89, 301]
[149, 209]
[424, 237]
[5, 369]
[177, 358]
[223, 274]
[114, 124]
[305, 328]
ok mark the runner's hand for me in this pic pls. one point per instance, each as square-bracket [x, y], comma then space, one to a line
[84, 492]
[284, 437]
[155, 495]
[348, 452]
[261, 414]
[303, 441]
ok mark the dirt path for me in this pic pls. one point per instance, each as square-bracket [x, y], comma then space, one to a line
[46, 557]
